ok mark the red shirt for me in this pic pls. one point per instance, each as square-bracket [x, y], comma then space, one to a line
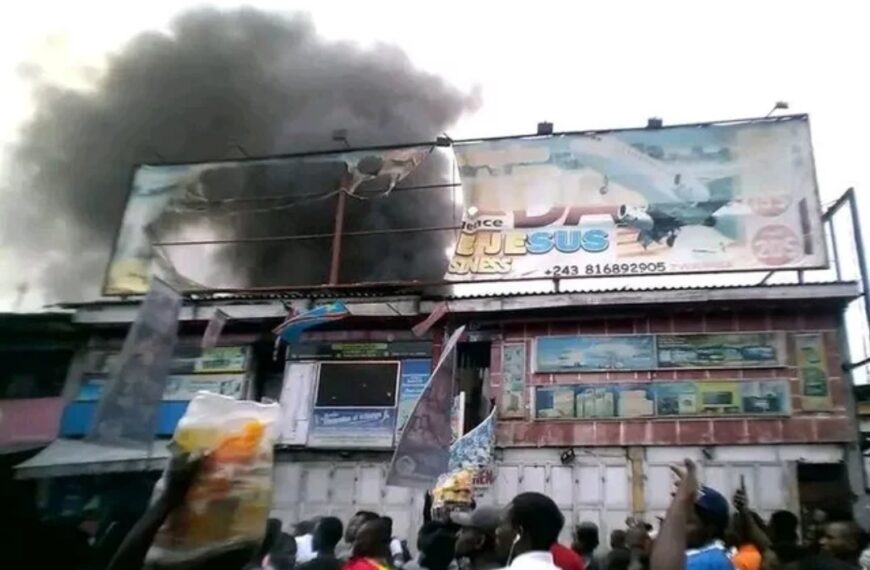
[565, 558]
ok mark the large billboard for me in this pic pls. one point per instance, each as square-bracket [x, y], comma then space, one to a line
[260, 223]
[714, 197]
[706, 198]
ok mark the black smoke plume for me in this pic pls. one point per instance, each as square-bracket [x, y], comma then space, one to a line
[220, 84]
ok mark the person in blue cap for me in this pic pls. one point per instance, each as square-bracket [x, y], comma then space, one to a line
[705, 529]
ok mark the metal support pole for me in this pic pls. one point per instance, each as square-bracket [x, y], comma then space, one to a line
[836, 251]
[335, 262]
[859, 249]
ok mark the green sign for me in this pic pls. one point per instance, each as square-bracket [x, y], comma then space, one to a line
[358, 350]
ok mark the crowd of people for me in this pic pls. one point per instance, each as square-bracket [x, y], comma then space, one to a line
[701, 531]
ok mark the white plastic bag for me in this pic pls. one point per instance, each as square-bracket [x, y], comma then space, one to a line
[230, 499]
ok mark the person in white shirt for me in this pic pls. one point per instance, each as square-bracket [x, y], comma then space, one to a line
[529, 527]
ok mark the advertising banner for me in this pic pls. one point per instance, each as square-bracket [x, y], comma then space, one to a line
[127, 412]
[351, 427]
[235, 200]
[513, 371]
[591, 353]
[358, 350]
[423, 451]
[812, 363]
[737, 350]
[187, 359]
[726, 197]
[414, 375]
[178, 387]
[701, 398]
[474, 449]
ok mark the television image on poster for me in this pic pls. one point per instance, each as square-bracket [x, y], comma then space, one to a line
[766, 397]
[677, 399]
[720, 397]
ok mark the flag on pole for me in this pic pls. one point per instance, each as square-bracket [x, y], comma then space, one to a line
[295, 325]
[423, 451]
[127, 412]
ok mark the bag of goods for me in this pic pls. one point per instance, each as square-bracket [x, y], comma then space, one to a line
[454, 491]
[230, 498]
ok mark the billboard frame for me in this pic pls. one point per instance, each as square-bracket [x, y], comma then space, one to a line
[338, 233]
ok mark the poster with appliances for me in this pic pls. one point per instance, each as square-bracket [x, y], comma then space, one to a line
[812, 363]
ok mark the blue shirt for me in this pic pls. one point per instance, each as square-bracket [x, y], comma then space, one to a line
[710, 557]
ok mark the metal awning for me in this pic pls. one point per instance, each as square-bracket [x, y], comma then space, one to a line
[65, 457]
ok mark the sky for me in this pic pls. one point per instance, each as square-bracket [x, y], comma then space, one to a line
[580, 65]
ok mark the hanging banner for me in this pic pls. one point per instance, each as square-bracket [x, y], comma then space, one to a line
[812, 363]
[423, 451]
[726, 197]
[513, 373]
[474, 451]
[594, 353]
[127, 412]
[732, 350]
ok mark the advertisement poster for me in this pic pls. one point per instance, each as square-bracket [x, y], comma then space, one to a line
[127, 410]
[766, 397]
[178, 387]
[554, 402]
[513, 371]
[614, 401]
[677, 399]
[590, 353]
[737, 350]
[720, 397]
[750, 397]
[414, 375]
[358, 350]
[728, 197]
[169, 202]
[423, 451]
[813, 371]
[348, 427]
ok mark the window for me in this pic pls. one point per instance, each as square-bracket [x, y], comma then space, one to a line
[357, 384]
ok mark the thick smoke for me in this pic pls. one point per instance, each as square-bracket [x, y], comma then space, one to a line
[217, 80]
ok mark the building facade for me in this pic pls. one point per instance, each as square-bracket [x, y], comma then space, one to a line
[597, 394]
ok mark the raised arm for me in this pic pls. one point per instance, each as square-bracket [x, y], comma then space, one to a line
[669, 549]
[179, 476]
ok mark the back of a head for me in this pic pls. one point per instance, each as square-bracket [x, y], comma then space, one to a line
[539, 518]
[327, 534]
[784, 526]
[305, 527]
[373, 539]
[436, 542]
[617, 539]
[586, 536]
[618, 559]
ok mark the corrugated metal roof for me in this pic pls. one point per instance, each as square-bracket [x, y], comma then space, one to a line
[626, 289]
[450, 292]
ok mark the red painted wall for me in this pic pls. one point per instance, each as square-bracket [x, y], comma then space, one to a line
[801, 427]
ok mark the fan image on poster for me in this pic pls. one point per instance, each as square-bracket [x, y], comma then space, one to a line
[725, 197]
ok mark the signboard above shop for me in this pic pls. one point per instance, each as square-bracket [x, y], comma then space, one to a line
[709, 197]
[358, 350]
